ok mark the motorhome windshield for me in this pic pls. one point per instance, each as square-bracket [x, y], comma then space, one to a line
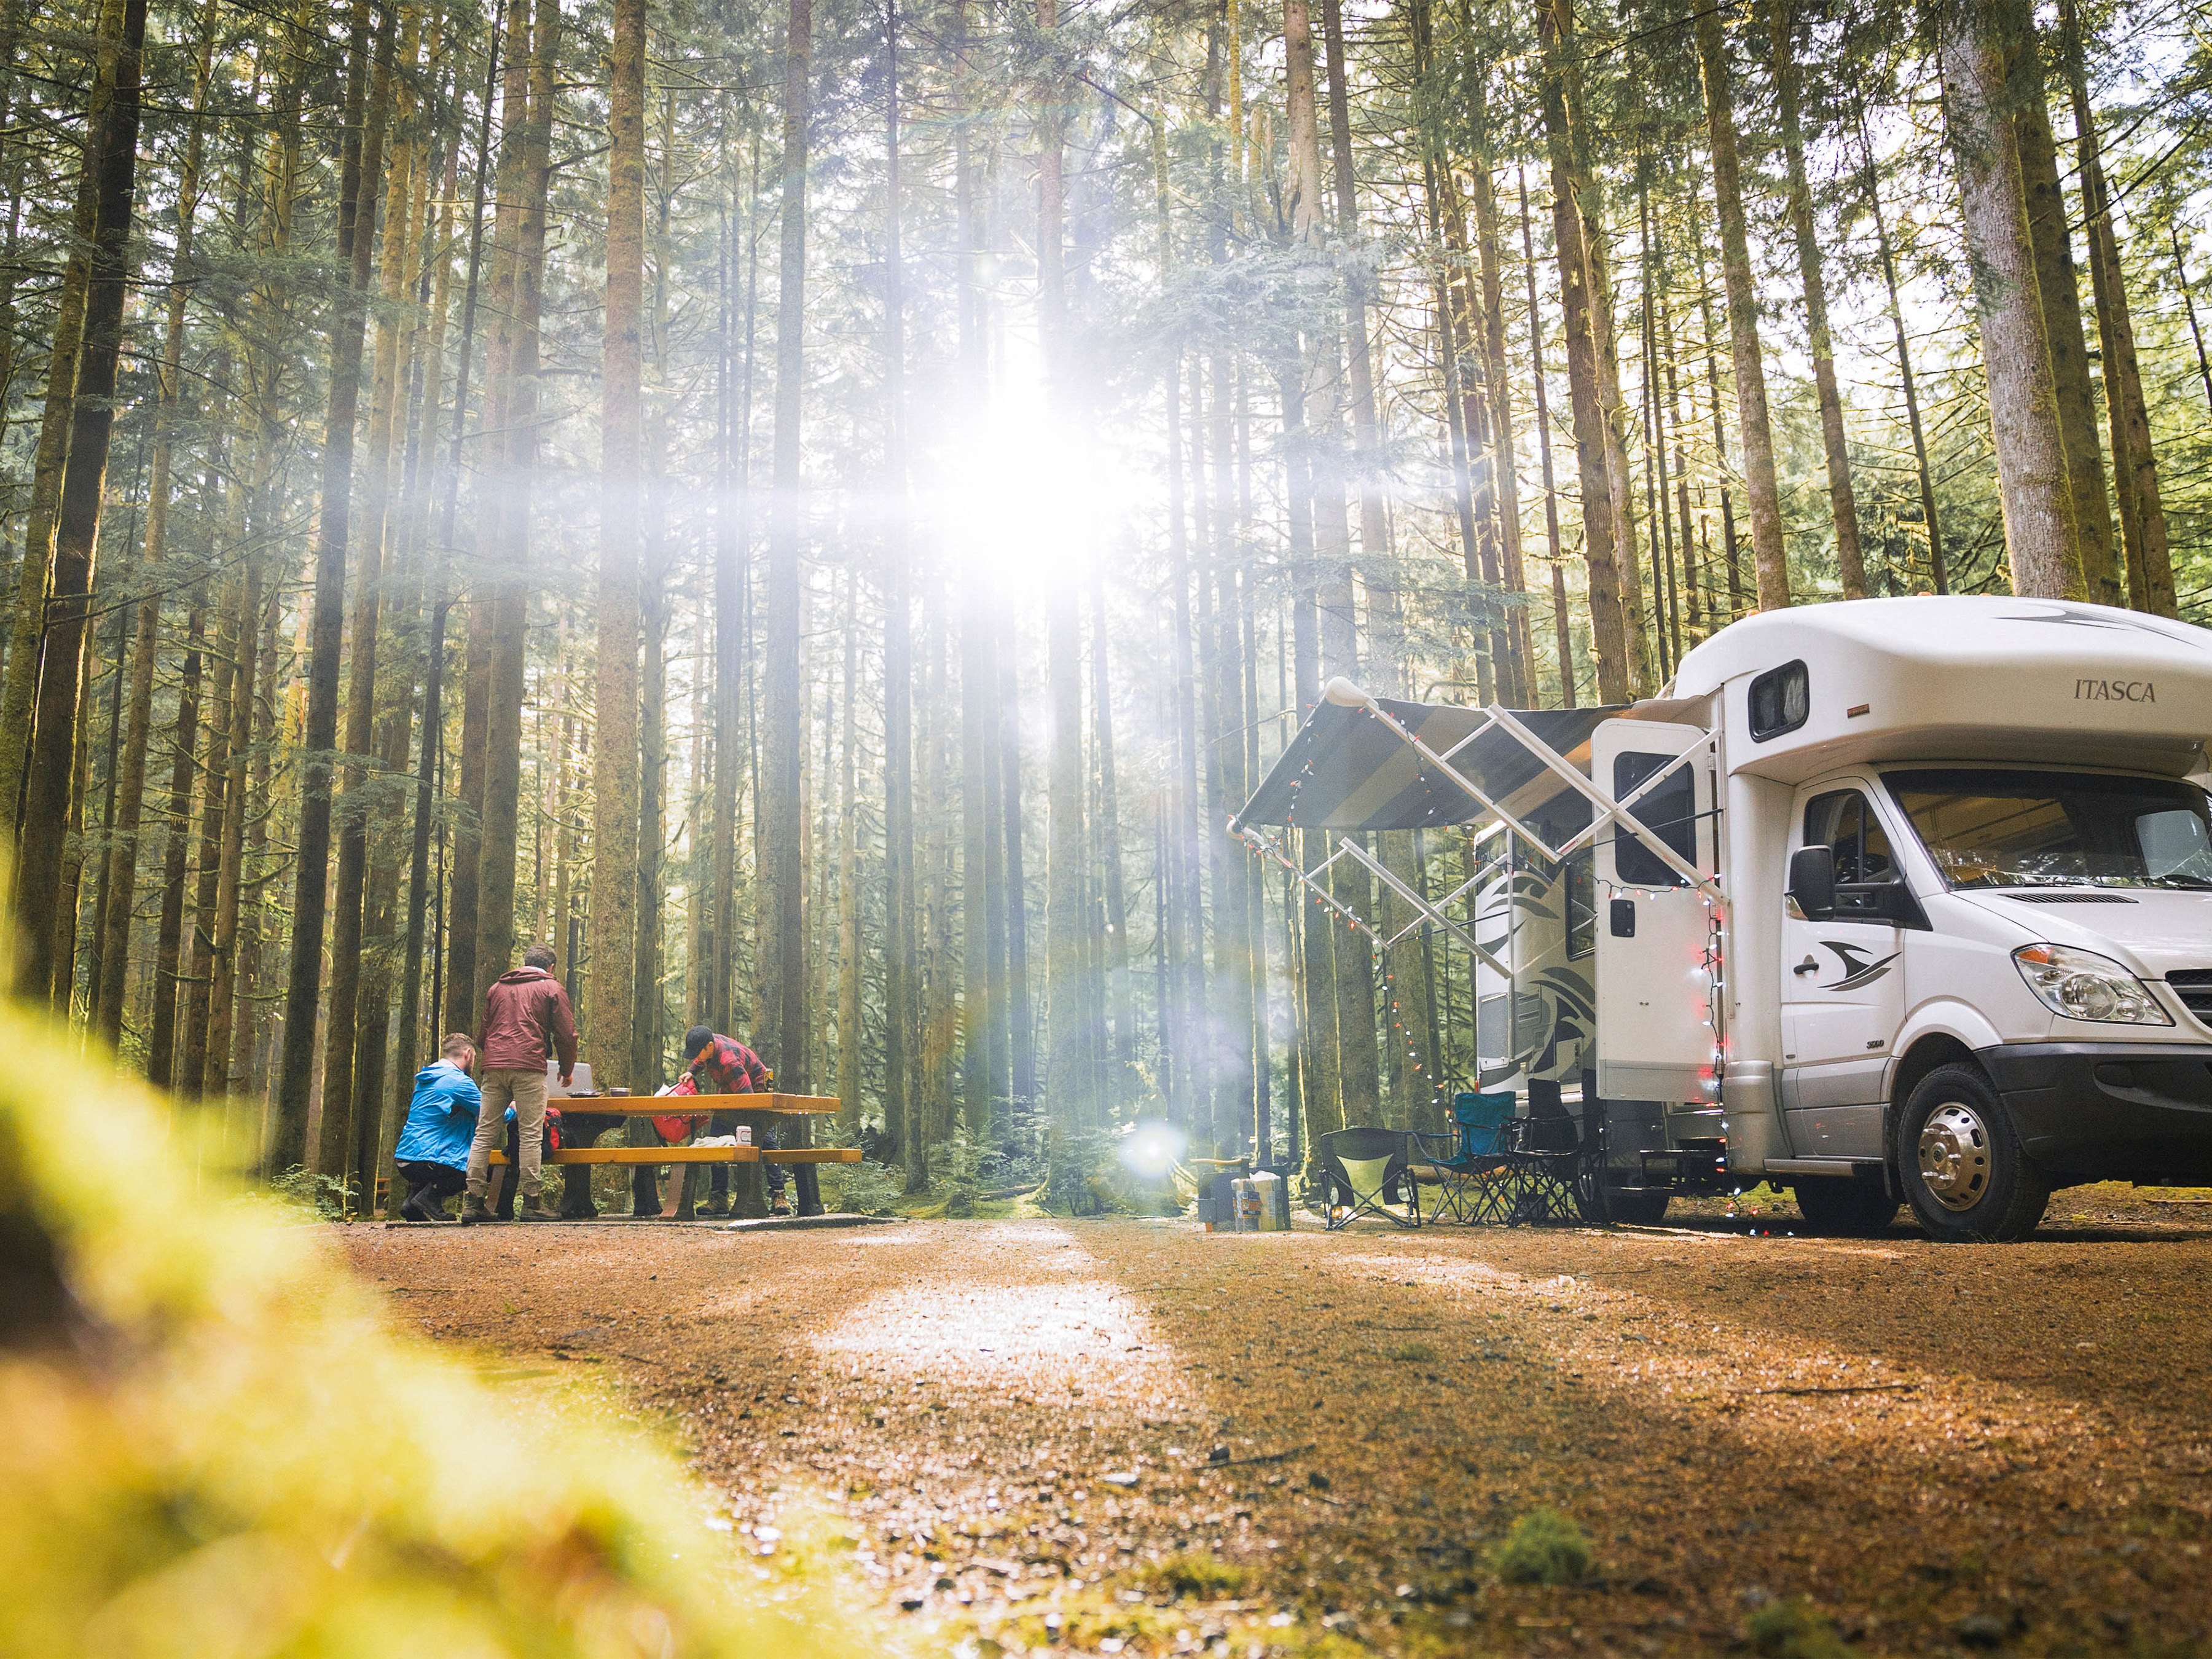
[2031, 828]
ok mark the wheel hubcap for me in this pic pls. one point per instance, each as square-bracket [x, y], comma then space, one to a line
[1954, 1155]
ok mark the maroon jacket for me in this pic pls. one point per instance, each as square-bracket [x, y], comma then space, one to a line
[527, 1020]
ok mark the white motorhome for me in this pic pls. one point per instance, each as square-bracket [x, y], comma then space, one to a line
[1893, 900]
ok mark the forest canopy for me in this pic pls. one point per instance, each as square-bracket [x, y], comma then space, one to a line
[819, 512]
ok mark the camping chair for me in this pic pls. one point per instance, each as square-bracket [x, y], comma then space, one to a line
[1368, 1171]
[1474, 1181]
[1549, 1153]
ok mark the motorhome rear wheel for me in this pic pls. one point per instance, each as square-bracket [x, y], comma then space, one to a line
[1960, 1162]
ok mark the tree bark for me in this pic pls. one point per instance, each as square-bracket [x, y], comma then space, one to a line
[2134, 468]
[901, 1107]
[1770, 556]
[303, 997]
[161, 1032]
[53, 760]
[1843, 505]
[2060, 290]
[780, 963]
[1609, 626]
[1938, 576]
[130, 773]
[508, 581]
[1977, 42]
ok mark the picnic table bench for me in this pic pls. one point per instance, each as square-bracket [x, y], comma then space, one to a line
[616, 1107]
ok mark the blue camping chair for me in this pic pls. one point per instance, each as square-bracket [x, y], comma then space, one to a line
[1472, 1175]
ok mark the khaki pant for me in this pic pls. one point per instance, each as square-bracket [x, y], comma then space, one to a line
[526, 1092]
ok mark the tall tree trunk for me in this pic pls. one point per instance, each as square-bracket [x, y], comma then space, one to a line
[1978, 43]
[53, 759]
[1366, 429]
[2134, 469]
[342, 1036]
[2101, 575]
[902, 1109]
[65, 344]
[1609, 626]
[161, 1033]
[982, 920]
[130, 777]
[1770, 556]
[1871, 187]
[1070, 1075]
[510, 556]
[612, 948]
[1122, 1071]
[780, 963]
[1843, 506]
[193, 1062]
[357, 195]
[494, 432]
[1562, 632]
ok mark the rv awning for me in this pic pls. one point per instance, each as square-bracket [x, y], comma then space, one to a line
[1346, 770]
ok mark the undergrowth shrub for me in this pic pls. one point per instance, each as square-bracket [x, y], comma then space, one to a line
[1795, 1629]
[864, 1188]
[1542, 1547]
[218, 1444]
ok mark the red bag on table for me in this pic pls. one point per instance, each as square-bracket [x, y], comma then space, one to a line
[674, 1128]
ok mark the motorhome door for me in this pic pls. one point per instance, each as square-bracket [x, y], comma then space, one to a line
[1655, 933]
[1843, 984]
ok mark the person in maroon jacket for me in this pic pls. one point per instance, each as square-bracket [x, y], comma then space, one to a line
[526, 1021]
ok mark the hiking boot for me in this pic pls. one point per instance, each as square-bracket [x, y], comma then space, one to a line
[424, 1204]
[778, 1206]
[717, 1209]
[474, 1209]
[536, 1210]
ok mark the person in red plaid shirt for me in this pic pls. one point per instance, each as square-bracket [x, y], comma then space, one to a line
[723, 1065]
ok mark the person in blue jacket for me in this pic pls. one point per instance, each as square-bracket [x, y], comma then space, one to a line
[432, 1154]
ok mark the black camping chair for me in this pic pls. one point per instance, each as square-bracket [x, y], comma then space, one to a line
[1553, 1153]
[1369, 1172]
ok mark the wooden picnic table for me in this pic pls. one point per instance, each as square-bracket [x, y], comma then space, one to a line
[803, 1158]
[680, 1106]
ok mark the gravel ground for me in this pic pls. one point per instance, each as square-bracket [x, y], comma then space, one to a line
[1007, 1424]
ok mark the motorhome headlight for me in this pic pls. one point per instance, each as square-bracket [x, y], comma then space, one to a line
[2083, 985]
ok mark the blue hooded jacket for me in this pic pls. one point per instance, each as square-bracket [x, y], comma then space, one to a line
[442, 1119]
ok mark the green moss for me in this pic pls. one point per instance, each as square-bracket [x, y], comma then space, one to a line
[1413, 1352]
[220, 1443]
[1543, 1548]
[1795, 1629]
[1194, 1572]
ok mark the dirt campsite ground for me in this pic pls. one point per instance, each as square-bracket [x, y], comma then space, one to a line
[999, 1432]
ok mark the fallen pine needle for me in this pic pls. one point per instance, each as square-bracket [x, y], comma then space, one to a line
[1857, 1388]
[1264, 1457]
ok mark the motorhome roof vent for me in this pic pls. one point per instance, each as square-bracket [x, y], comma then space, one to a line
[2069, 898]
[1781, 699]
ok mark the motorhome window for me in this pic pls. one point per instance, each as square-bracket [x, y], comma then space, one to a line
[1843, 822]
[1781, 698]
[1669, 810]
[2030, 828]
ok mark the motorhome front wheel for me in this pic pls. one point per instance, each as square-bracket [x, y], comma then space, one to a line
[1961, 1164]
[1954, 1155]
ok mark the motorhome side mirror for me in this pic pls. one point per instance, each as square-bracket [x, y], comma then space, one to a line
[1813, 882]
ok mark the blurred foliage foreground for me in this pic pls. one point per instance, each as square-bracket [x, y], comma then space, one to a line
[215, 1445]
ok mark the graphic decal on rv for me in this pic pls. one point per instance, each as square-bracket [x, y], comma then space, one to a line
[2068, 616]
[1857, 970]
